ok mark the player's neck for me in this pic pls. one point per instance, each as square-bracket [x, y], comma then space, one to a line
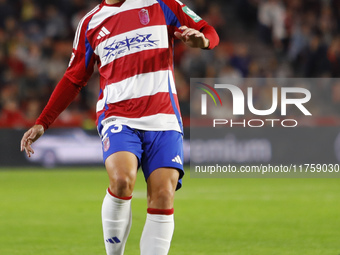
[113, 1]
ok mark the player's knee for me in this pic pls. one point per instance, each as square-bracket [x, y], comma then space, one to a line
[122, 185]
[162, 198]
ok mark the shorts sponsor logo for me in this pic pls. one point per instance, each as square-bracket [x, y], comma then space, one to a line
[177, 159]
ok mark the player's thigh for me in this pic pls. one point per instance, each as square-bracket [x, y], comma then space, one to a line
[122, 152]
[121, 164]
[163, 150]
[161, 187]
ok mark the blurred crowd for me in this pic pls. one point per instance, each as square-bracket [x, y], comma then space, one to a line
[305, 34]
[259, 38]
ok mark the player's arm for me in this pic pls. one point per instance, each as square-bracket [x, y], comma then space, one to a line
[64, 93]
[192, 37]
[30, 137]
[76, 76]
[190, 28]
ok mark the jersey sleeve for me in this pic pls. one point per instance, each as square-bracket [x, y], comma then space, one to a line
[76, 76]
[63, 94]
[82, 60]
[178, 14]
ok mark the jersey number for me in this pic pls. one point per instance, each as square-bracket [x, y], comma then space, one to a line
[116, 128]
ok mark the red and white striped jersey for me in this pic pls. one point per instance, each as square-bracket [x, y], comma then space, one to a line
[132, 45]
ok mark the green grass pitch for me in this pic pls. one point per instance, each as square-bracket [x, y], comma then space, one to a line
[57, 212]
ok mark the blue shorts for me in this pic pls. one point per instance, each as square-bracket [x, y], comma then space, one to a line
[153, 149]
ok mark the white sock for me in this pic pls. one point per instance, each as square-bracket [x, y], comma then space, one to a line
[116, 219]
[157, 232]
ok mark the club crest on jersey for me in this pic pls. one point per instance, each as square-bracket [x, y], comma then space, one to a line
[106, 144]
[144, 17]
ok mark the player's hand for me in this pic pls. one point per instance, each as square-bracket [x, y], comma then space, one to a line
[192, 37]
[30, 137]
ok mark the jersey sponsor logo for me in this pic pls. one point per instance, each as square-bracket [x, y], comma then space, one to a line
[192, 14]
[144, 17]
[140, 41]
[177, 159]
[103, 32]
[145, 38]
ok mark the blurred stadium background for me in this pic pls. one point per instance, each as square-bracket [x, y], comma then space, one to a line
[296, 38]
[259, 38]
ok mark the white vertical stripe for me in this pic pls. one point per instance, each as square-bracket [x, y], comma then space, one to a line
[172, 82]
[78, 32]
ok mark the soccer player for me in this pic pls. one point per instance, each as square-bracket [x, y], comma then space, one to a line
[138, 117]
